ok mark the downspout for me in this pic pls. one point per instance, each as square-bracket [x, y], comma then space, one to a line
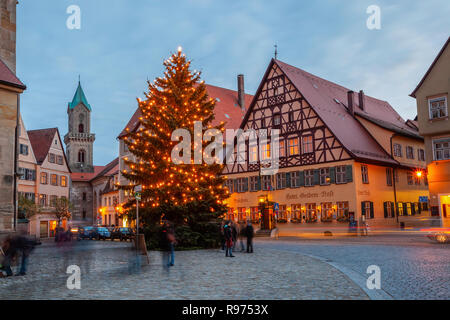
[16, 158]
[393, 180]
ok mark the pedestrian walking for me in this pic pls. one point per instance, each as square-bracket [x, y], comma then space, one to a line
[249, 233]
[241, 235]
[228, 233]
[222, 236]
[234, 234]
[12, 247]
[168, 241]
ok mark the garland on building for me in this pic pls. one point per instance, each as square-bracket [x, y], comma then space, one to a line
[187, 193]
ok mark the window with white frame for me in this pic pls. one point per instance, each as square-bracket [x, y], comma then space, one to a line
[365, 174]
[438, 107]
[295, 183]
[441, 149]
[409, 152]
[281, 180]
[293, 147]
[389, 209]
[241, 185]
[397, 150]
[265, 152]
[307, 144]
[254, 183]
[324, 176]
[340, 174]
[342, 211]
[253, 153]
[421, 154]
[309, 177]
[266, 182]
[229, 184]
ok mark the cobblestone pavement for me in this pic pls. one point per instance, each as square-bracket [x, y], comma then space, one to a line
[108, 271]
[412, 267]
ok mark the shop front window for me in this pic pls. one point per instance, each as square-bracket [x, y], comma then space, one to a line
[282, 214]
[296, 213]
[327, 212]
[311, 212]
[242, 215]
[342, 211]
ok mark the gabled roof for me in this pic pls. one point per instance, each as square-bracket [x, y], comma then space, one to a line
[99, 171]
[329, 101]
[227, 109]
[78, 98]
[413, 94]
[7, 77]
[41, 141]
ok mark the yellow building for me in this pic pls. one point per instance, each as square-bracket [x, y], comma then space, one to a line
[342, 155]
[432, 95]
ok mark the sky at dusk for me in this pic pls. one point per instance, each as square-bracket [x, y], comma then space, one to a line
[122, 43]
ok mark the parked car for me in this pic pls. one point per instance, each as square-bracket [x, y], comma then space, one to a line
[87, 233]
[122, 233]
[103, 233]
[441, 236]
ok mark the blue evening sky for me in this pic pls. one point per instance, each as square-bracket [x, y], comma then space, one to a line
[123, 43]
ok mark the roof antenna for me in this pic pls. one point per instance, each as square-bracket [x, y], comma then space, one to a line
[276, 51]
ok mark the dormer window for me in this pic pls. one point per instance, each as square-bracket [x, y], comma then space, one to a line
[438, 107]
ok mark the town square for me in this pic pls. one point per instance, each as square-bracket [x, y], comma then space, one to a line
[208, 150]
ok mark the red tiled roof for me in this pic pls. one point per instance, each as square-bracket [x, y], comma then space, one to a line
[321, 95]
[413, 94]
[41, 140]
[86, 176]
[227, 109]
[8, 77]
[99, 171]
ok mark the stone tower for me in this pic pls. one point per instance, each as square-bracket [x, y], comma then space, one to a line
[8, 33]
[79, 140]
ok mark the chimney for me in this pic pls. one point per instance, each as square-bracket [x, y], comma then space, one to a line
[350, 102]
[361, 99]
[241, 92]
[8, 33]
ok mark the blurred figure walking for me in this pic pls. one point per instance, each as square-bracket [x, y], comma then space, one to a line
[168, 242]
[228, 233]
[12, 246]
[249, 233]
[234, 234]
[222, 236]
[241, 235]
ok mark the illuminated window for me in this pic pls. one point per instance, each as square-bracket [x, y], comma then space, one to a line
[44, 178]
[324, 176]
[265, 152]
[63, 181]
[282, 148]
[54, 179]
[293, 148]
[253, 154]
[307, 144]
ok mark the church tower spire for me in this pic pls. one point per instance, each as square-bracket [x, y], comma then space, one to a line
[79, 140]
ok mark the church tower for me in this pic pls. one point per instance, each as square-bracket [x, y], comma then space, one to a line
[79, 140]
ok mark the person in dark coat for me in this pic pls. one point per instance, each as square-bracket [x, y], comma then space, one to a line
[167, 242]
[228, 234]
[234, 233]
[14, 245]
[249, 233]
[222, 236]
[241, 235]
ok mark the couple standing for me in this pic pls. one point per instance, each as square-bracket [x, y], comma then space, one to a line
[229, 233]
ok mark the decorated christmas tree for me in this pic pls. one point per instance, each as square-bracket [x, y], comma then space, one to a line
[188, 193]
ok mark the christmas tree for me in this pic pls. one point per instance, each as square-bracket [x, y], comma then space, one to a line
[187, 193]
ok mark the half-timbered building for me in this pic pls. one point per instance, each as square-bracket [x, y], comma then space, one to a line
[336, 157]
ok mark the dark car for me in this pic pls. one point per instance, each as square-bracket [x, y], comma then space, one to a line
[122, 233]
[103, 233]
[87, 233]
